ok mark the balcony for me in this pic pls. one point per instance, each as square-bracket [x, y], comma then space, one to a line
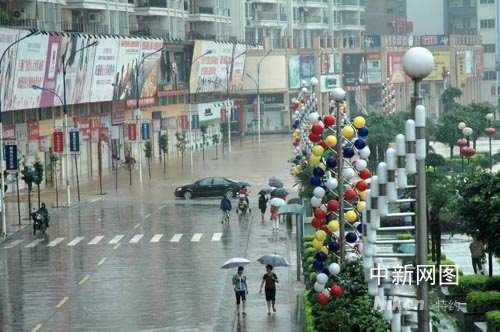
[312, 3]
[85, 27]
[152, 3]
[148, 32]
[193, 35]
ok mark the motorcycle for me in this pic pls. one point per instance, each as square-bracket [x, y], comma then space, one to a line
[39, 223]
[243, 208]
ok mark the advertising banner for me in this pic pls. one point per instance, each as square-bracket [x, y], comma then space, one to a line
[21, 132]
[129, 53]
[145, 131]
[74, 141]
[395, 70]
[329, 82]
[7, 74]
[148, 74]
[330, 64]
[11, 157]
[52, 65]
[168, 74]
[195, 121]
[58, 141]
[461, 71]
[441, 65]
[434, 40]
[300, 68]
[373, 69]
[209, 111]
[182, 122]
[132, 131]
[105, 72]
[9, 132]
[354, 69]
[33, 130]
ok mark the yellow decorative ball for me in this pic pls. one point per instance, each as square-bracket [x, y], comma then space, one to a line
[350, 216]
[320, 235]
[318, 150]
[359, 122]
[325, 250]
[360, 206]
[333, 226]
[348, 131]
[331, 141]
[314, 160]
[296, 135]
[362, 195]
[317, 244]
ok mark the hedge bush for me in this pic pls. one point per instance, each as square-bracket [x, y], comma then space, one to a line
[404, 236]
[474, 282]
[308, 315]
[493, 320]
[483, 302]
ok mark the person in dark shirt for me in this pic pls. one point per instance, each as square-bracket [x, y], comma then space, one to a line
[270, 279]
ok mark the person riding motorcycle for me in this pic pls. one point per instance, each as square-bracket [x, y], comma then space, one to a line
[243, 195]
[45, 214]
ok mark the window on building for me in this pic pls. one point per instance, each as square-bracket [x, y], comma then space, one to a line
[487, 24]
[19, 116]
[45, 113]
[484, 2]
[489, 48]
[490, 75]
[156, 114]
[31, 115]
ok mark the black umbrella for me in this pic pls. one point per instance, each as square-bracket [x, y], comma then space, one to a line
[275, 182]
[279, 192]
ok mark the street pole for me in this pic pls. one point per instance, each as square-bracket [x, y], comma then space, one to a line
[2, 191]
[258, 94]
[138, 116]
[228, 109]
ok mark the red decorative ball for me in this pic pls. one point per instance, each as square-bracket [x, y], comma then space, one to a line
[329, 120]
[467, 151]
[489, 131]
[350, 195]
[326, 229]
[365, 174]
[462, 142]
[317, 129]
[313, 137]
[296, 143]
[317, 223]
[319, 213]
[322, 299]
[333, 205]
[361, 185]
[336, 291]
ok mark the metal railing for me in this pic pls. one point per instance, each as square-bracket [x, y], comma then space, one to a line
[153, 3]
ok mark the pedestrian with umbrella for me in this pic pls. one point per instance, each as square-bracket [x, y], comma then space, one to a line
[239, 281]
[269, 281]
[275, 206]
[262, 204]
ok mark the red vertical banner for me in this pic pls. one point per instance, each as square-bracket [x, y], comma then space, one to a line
[33, 130]
[223, 114]
[183, 122]
[58, 138]
[132, 131]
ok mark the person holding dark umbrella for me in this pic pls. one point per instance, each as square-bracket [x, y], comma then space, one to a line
[270, 279]
[262, 204]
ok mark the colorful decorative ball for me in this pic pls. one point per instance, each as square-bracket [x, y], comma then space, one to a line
[330, 141]
[334, 269]
[331, 162]
[360, 206]
[365, 174]
[314, 138]
[331, 183]
[351, 257]
[348, 152]
[350, 216]
[333, 226]
[318, 287]
[334, 246]
[350, 195]
[362, 195]
[364, 152]
[315, 181]
[318, 150]
[333, 205]
[317, 223]
[326, 291]
[318, 172]
[336, 291]
[316, 202]
[317, 129]
[348, 173]
[320, 256]
[359, 227]
[321, 299]
[319, 213]
[322, 278]
[359, 143]
[319, 192]
[363, 132]
[361, 185]
[360, 164]
[318, 266]
[317, 244]
[314, 160]
[348, 131]
[329, 120]
[324, 250]
[351, 237]
[313, 117]
[359, 122]
[461, 142]
[490, 131]
[320, 235]
[322, 144]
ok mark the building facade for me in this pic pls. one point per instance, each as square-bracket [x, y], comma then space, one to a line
[461, 17]
[487, 22]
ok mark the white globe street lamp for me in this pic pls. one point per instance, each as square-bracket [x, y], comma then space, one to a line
[467, 131]
[418, 63]
[314, 81]
[338, 94]
[490, 116]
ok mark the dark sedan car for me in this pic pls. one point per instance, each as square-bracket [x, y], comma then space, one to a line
[210, 187]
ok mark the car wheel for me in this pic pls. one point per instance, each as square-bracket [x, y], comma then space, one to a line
[188, 195]
[229, 194]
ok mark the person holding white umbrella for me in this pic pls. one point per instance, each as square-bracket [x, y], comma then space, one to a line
[275, 206]
[240, 289]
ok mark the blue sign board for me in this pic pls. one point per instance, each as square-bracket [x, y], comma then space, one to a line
[74, 141]
[145, 131]
[195, 121]
[11, 157]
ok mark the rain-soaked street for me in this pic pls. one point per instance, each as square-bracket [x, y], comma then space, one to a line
[141, 260]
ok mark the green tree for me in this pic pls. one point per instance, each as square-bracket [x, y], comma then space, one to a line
[181, 145]
[435, 160]
[446, 130]
[148, 152]
[448, 98]
[28, 176]
[224, 134]
[215, 142]
[475, 117]
[203, 129]
[163, 142]
[477, 209]
[38, 169]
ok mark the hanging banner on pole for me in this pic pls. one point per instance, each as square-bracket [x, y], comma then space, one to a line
[195, 121]
[74, 141]
[58, 138]
[11, 157]
[145, 131]
[132, 131]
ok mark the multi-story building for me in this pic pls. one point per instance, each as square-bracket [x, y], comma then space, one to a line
[461, 17]
[487, 22]
[387, 17]
[299, 23]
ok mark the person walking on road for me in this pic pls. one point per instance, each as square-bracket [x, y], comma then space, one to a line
[477, 254]
[225, 206]
[270, 279]
[262, 205]
[240, 289]
[275, 217]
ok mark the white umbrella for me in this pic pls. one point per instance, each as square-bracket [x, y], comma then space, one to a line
[235, 262]
[273, 260]
[276, 201]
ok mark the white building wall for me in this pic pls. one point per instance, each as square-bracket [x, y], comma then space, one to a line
[427, 16]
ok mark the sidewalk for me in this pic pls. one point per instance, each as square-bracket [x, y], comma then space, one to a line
[263, 241]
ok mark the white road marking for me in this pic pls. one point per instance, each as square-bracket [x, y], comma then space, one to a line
[162, 207]
[137, 226]
[34, 243]
[196, 237]
[96, 240]
[136, 238]
[216, 237]
[13, 244]
[75, 241]
[95, 200]
[147, 216]
[116, 239]
[156, 238]
[176, 238]
[55, 242]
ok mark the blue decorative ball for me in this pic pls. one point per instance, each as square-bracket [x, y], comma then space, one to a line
[320, 256]
[360, 228]
[318, 172]
[315, 181]
[359, 143]
[334, 246]
[318, 266]
[348, 152]
[331, 162]
[363, 132]
[351, 237]
[326, 271]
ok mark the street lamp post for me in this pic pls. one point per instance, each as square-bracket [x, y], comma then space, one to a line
[138, 116]
[189, 109]
[490, 132]
[418, 63]
[228, 76]
[2, 193]
[258, 94]
[65, 110]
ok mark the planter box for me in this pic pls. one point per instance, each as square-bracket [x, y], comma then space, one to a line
[480, 327]
[469, 318]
